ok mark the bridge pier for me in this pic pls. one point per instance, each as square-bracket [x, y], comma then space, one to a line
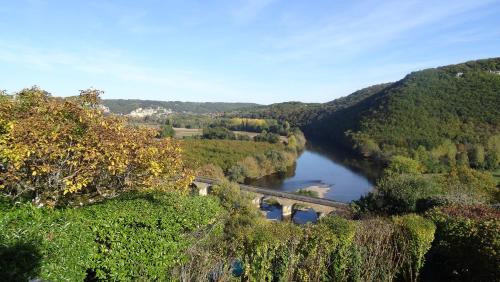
[321, 215]
[287, 210]
[257, 201]
[201, 188]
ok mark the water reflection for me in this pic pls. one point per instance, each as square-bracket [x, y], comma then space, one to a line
[347, 176]
[305, 216]
[300, 216]
[273, 212]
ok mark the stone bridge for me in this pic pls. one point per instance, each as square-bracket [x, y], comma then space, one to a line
[288, 201]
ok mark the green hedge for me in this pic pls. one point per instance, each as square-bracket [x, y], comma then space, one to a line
[467, 245]
[136, 236]
[415, 237]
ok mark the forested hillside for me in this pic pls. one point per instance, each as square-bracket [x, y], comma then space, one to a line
[303, 114]
[458, 103]
[125, 106]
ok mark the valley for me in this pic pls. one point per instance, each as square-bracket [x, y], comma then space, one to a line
[413, 163]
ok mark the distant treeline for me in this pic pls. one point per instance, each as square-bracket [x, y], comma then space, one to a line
[125, 106]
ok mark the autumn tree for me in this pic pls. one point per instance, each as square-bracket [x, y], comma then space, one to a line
[52, 148]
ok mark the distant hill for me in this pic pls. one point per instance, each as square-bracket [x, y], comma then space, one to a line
[125, 106]
[297, 113]
[459, 102]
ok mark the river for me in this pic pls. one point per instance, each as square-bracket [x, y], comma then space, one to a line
[348, 177]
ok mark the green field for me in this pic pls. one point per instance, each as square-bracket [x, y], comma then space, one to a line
[181, 132]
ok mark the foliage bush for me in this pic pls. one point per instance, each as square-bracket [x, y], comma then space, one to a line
[308, 193]
[400, 193]
[136, 236]
[401, 165]
[377, 254]
[404, 193]
[469, 186]
[211, 171]
[272, 138]
[467, 244]
[415, 236]
[218, 133]
[53, 147]
[166, 130]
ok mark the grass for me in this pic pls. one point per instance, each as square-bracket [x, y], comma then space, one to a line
[181, 132]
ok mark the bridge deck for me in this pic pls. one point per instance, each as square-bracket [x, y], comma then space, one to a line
[286, 195]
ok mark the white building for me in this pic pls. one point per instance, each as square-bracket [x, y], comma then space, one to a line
[140, 112]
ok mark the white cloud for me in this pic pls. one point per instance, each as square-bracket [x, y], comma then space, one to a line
[363, 27]
[111, 64]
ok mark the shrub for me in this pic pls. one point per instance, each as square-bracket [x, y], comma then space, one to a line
[415, 235]
[218, 133]
[54, 147]
[308, 193]
[251, 167]
[400, 193]
[341, 258]
[136, 236]
[467, 244]
[378, 254]
[477, 156]
[468, 186]
[211, 171]
[267, 137]
[166, 130]
[400, 164]
[237, 173]
[267, 252]
[364, 145]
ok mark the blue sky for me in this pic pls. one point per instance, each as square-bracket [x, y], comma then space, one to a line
[261, 51]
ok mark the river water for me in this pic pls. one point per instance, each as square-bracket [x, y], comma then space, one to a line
[348, 177]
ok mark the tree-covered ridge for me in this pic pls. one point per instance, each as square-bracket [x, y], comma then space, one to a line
[456, 102]
[303, 114]
[297, 113]
[357, 96]
[125, 106]
[459, 102]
